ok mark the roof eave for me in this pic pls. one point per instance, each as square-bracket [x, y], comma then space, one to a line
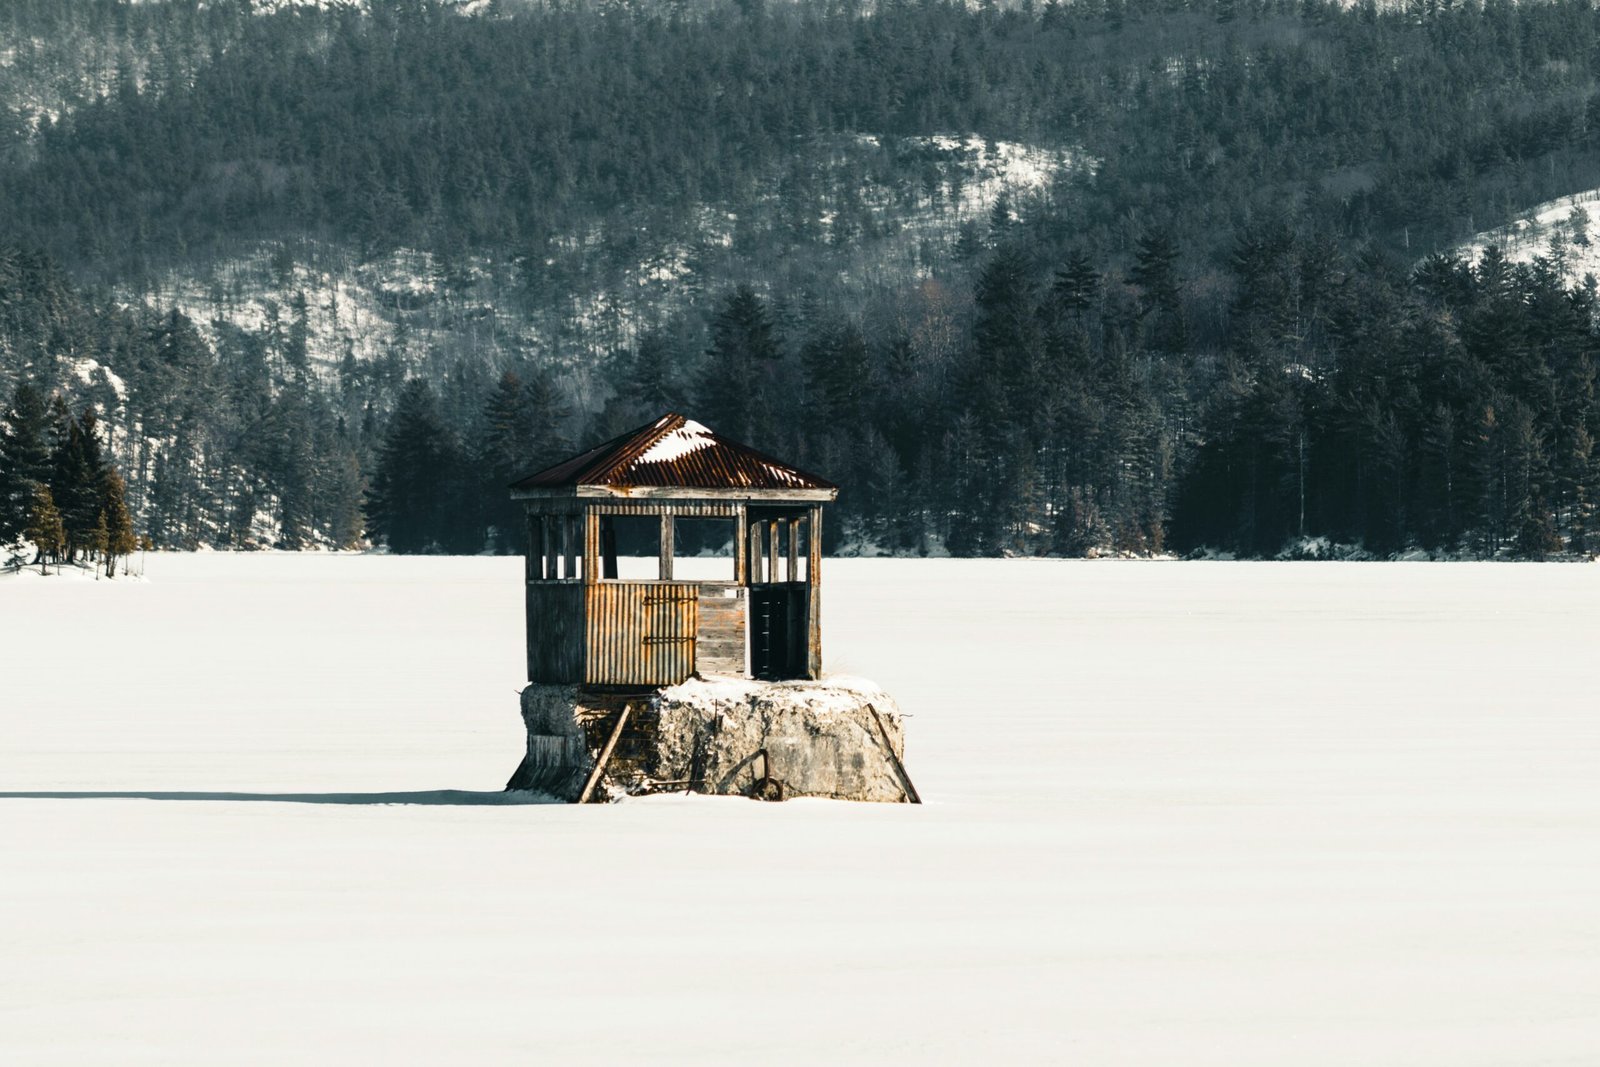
[676, 492]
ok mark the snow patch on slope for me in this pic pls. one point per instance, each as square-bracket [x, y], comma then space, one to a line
[352, 310]
[577, 298]
[1567, 229]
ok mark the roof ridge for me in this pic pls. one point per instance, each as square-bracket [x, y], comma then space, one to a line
[698, 459]
[636, 446]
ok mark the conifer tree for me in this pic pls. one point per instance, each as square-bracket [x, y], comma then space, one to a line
[120, 541]
[415, 503]
[100, 543]
[45, 528]
[744, 350]
[24, 456]
[77, 470]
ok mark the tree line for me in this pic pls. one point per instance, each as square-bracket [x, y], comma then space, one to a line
[1239, 330]
[58, 491]
[1056, 407]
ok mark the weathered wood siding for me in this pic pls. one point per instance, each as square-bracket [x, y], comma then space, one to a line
[555, 631]
[640, 633]
[719, 642]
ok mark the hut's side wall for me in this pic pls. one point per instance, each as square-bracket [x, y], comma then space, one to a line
[555, 632]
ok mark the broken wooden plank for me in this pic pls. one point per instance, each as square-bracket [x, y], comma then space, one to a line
[899, 768]
[605, 755]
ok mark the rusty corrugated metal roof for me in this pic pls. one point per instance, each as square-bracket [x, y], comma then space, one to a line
[673, 452]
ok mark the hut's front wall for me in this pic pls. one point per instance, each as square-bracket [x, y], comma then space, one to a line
[640, 633]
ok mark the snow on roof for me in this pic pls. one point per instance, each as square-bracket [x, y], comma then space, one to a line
[679, 443]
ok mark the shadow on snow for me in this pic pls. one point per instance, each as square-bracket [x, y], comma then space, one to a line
[434, 797]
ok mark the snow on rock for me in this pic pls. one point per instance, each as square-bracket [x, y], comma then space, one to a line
[722, 736]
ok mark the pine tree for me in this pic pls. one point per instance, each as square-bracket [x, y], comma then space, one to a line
[1155, 271]
[77, 470]
[44, 527]
[523, 432]
[1077, 285]
[838, 372]
[24, 457]
[120, 541]
[100, 542]
[743, 354]
[415, 503]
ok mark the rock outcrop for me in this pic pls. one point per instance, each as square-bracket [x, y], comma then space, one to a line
[841, 738]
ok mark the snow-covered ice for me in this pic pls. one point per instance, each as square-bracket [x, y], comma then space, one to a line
[1177, 813]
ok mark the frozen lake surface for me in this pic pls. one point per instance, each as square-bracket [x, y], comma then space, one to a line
[1177, 813]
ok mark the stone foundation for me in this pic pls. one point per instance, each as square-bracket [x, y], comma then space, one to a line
[828, 738]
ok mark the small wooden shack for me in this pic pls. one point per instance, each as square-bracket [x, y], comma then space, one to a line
[589, 626]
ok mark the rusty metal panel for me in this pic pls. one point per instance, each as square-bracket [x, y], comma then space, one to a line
[555, 632]
[640, 633]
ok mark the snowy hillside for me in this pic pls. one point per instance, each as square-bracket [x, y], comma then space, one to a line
[1197, 814]
[582, 298]
[1567, 230]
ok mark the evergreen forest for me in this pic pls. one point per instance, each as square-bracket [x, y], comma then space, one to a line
[1241, 313]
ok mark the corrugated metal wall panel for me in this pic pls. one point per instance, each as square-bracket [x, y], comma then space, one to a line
[640, 633]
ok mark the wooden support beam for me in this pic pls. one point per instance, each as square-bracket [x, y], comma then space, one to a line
[754, 537]
[569, 546]
[794, 549]
[814, 595]
[547, 552]
[741, 542]
[533, 567]
[591, 547]
[666, 548]
[611, 746]
[899, 768]
[772, 550]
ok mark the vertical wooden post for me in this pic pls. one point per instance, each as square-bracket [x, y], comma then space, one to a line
[591, 546]
[772, 550]
[754, 537]
[794, 549]
[530, 564]
[740, 544]
[814, 600]
[547, 554]
[666, 547]
[569, 547]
